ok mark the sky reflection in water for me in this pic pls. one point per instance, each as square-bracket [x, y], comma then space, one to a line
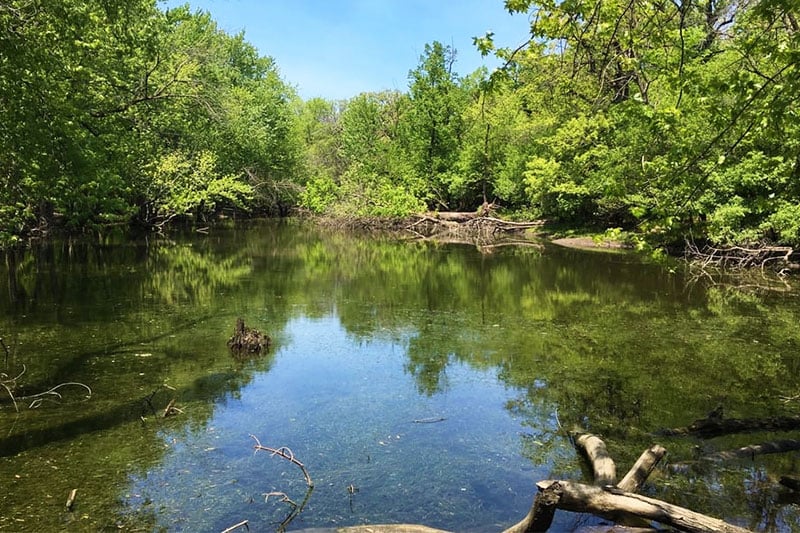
[347, 409]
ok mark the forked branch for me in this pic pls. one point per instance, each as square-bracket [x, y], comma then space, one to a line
[285, 453]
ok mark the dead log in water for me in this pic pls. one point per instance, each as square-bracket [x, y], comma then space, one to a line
[611, 504]
[605, 471]
[710, 427]
[617, 503]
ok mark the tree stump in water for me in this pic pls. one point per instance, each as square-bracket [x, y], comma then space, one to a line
[247, 340]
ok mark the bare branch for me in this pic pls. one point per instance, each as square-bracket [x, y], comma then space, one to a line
[284, 453]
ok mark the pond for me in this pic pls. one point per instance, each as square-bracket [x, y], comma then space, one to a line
[417, 382]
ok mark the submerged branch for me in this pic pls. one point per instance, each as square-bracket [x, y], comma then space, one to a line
[284, 453]
[707, 428]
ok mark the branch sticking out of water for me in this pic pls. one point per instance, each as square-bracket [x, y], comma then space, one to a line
[9, 384]
[53, 393]
[234, 527]
[285, 453]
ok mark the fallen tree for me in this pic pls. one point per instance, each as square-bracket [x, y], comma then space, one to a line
[611, 503]
[464, 226]
[710, 427]
[618, 502]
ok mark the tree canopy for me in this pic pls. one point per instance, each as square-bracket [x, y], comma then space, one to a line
[123, 112]
[663, 119]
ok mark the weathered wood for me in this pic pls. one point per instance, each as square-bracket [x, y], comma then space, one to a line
[776, 446]
[541, 514]
[244, 523]
[714, 427]
[581, 498]
[745, 452]
[641, 470]
[605, 471]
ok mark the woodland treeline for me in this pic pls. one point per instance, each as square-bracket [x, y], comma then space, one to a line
[665, 119]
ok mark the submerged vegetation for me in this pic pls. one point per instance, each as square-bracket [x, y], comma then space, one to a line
[662, 119]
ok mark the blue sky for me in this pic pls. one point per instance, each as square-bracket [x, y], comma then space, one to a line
[337, 49]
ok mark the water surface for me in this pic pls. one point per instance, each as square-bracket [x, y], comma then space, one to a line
[417, 382]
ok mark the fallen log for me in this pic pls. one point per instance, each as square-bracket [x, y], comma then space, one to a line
[581, 498]
[605, 472]
[707, 428]
[745, 452]
[642, 468]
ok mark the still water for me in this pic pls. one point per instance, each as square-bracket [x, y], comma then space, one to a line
[417, 382]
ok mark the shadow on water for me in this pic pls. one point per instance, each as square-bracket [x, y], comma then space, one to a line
[214, 387]
[371, 334]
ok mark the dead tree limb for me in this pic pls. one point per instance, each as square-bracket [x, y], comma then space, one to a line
[541, 514]
[580, 498]
[776, 446]
[605, 471]
[707, 428]
[285, 453]
[234, 527]
[73, 495]
[641, 470]
[745, 452]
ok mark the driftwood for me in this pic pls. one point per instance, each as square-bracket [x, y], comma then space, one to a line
[618, 503]
[389, 528]
[714, 426]
[605, 472]
[284, 453]
[642, 468]
[614, 502]
[247, 340]
[609, 504]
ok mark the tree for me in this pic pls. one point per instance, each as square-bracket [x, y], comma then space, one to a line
[435, 125]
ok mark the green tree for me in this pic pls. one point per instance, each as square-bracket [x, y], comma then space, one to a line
[435, 124]
[99, 99]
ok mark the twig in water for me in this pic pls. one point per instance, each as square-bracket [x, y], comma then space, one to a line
[285, 453]
[39, 398]
[431, 420]
[284, 498]
[234, 527]
[8, 383]
[71, 499]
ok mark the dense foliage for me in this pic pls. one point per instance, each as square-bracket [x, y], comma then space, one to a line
[123, 112]
[665, 119]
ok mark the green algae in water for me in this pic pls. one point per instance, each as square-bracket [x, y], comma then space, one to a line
[370, 335]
